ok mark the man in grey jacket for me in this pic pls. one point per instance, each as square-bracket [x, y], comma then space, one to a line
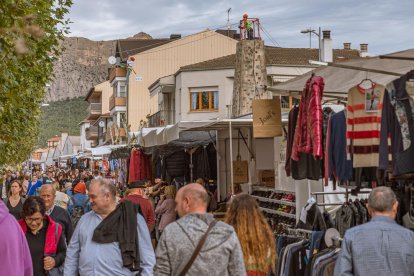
[221, 254]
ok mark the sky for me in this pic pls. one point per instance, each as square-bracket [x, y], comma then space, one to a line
[385, 25]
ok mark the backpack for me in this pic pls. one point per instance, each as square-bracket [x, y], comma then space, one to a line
[78, 211]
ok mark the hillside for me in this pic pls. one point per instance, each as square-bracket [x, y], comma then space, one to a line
[59, 115]
[83, 64]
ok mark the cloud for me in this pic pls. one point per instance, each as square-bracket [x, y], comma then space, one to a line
[385, 25]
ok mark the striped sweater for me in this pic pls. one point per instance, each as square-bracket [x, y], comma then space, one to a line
[363, 125]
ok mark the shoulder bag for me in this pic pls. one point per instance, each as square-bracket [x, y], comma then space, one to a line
[197, 249]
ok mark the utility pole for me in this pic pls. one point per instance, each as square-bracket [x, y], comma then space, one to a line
[228, 21]
[310, 38]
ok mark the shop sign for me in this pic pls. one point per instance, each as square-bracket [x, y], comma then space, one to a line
[267, 118]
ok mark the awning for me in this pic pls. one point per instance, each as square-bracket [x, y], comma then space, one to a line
[339, 80]
[155, 136]
[66, 157]
[104, 150]
[404, 55]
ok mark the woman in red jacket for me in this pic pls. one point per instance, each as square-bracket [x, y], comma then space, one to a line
[46, 243]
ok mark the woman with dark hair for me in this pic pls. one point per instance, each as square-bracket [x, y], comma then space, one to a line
[255, 235]
[62, 178]
[46, 243]
[15, 201]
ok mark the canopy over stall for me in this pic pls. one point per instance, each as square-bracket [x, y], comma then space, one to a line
[103, 150]
[340, 77]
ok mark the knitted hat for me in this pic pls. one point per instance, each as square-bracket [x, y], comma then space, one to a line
[80, 188]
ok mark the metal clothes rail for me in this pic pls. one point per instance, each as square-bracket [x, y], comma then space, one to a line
[346, 193]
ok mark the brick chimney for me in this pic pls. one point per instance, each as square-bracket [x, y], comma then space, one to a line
[326, 47]
[363, 49]
[347, 46]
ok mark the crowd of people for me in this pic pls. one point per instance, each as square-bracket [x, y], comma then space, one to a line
[81, 223]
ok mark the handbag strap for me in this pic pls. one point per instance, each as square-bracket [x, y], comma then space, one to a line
[197, 249]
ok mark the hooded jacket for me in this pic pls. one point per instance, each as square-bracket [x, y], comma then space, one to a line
[308, 133]
[16, 260]
[221, 254]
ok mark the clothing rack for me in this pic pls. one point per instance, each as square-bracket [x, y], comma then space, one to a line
[298, 231]
[346, 193]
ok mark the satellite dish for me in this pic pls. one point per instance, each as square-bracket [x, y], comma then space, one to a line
[102, 124]
[112, 60]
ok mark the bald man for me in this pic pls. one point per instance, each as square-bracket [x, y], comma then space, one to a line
[221, 253]
[381, 246]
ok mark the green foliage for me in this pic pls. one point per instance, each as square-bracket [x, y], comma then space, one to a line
[30, 32]
[62, 115]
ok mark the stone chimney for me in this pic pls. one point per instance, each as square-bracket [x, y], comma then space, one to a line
[363, 50]
[347, 46]
[326, 47]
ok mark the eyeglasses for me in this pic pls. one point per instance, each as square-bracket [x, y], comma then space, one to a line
[30, 220]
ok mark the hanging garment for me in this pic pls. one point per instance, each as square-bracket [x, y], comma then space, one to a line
[338, 163]
[314, 219]
[212, 157]
[364, 124]
[398, 123]
[201, 164]
[139, 166]
[326, 141]
[306, 168]
[293, 117]
[177, 164]
[344, 219]
[308, 133]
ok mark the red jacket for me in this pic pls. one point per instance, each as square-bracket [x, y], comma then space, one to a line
[139, 166]
[51, 241]
[308, 133]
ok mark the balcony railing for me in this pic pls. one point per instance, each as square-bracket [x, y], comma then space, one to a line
[161, 118]
[91, 133]
[116, 101]
[94, 108]
[117, 72]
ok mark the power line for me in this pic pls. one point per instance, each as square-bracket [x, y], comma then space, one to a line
[269, 36]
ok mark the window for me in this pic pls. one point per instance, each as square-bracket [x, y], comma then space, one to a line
[204, 100]
[122, 89]
[121, 119]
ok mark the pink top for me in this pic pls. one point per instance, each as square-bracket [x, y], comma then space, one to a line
[166, 208]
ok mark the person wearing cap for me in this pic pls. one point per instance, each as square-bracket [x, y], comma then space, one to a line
[136, 196]
[79, 198]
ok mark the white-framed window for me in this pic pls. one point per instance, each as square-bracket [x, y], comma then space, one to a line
[204, 99]
[121, 89]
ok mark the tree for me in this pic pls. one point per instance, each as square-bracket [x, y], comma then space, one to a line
[30, 32]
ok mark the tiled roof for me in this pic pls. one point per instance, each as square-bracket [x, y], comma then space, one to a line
[275, 56]
[54, 139]
[129, 47]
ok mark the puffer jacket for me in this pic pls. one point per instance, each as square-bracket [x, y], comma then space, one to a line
[308, 133]
[221, 254]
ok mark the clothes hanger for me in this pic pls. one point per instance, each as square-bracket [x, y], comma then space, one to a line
[366, 79]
